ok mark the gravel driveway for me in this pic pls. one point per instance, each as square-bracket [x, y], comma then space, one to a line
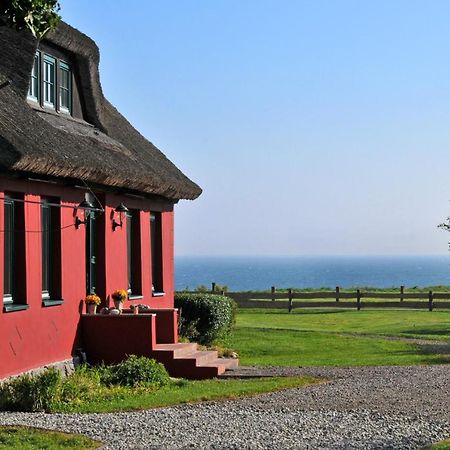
[364, 408]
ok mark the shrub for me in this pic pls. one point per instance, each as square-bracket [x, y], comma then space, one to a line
[31, 392]
[139, 371]
[82, 385]
[205, 318]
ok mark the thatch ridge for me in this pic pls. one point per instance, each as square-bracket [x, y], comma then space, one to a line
[114, 154]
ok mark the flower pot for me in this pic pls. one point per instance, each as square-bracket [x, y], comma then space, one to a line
[118, 304]
[91, 308]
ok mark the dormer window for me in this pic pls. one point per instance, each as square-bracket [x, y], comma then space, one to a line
[51, 83]
[49, 80]
[65, 87]
[33, 91]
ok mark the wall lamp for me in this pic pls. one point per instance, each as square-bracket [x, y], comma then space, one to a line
[122, 210]
[87, 208]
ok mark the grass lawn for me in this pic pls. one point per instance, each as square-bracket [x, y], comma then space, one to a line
[186, 392]
[32, 439]
[338, 337]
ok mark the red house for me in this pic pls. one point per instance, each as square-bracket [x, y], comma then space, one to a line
[86, 205]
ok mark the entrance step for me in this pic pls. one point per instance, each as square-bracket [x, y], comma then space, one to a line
[186, 361]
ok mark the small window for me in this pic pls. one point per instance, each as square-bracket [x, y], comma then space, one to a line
[33, 90]
[134, 253]
[65, 87]
[156, 252]
[49, 80]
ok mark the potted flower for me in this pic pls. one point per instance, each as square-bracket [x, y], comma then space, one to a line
[92, 301]
[119, 296]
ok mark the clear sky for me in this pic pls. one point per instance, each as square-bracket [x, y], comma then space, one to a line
[314, 127]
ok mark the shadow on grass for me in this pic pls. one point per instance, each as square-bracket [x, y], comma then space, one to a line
[434, 349]
[429, 331]
[303, 311]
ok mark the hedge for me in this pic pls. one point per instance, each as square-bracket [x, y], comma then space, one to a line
[205, 318]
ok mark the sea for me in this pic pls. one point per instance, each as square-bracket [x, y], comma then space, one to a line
[260, 273]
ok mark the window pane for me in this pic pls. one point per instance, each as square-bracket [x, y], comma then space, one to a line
[46, 247]
[65, 87]
[33, 90]
[8, 249]
[156, 243]
[129, 251]
[49, 80]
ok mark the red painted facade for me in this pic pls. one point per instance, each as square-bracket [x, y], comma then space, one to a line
[41, 334]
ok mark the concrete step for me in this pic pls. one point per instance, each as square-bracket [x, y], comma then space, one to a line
[199, 358]
[223, 364]
[177, 350]
[185, 360]
[216, 368]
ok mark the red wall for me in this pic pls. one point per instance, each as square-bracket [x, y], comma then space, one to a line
[41, 335]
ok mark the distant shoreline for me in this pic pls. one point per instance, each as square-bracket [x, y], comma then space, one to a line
[257, 273]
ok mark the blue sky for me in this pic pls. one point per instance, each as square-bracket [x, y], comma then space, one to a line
[314, 127]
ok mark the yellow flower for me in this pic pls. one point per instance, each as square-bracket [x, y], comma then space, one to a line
[119, 295]
[92, 298]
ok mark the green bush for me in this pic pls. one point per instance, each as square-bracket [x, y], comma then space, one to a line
[82, 385]
[31, 392]
[205, 318]
[138, 371]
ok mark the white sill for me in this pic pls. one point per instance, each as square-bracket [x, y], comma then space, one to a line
[158, 294]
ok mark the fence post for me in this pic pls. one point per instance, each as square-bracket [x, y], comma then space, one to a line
[402, 292]
[358, 299]
[272, 290]
[337, 293]
[430, 301]
[290, 299]
[213, 287]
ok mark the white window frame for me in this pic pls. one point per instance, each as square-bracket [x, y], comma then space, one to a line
[49, 61]
[33, 89]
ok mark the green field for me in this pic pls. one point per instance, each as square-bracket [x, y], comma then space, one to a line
[314, 337]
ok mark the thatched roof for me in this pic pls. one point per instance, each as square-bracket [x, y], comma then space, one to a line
[105, 150]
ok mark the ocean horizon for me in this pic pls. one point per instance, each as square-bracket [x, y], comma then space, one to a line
[243, 273]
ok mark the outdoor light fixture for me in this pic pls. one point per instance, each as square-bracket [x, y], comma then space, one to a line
[86, 206]
[121, 209]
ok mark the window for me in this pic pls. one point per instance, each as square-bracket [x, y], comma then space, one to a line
[33, 90]
[51, 83]
[14, 280]
[51, 250]
[9, 254]
[65, 87]
[156, 252]
[49, 80]
[134, 253]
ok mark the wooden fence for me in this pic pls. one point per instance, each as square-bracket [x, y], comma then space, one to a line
[338, 299]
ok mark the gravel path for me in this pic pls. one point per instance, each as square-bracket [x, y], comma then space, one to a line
[360, 408]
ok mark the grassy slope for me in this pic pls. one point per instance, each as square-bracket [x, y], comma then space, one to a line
[337, 338]
[32, 439]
